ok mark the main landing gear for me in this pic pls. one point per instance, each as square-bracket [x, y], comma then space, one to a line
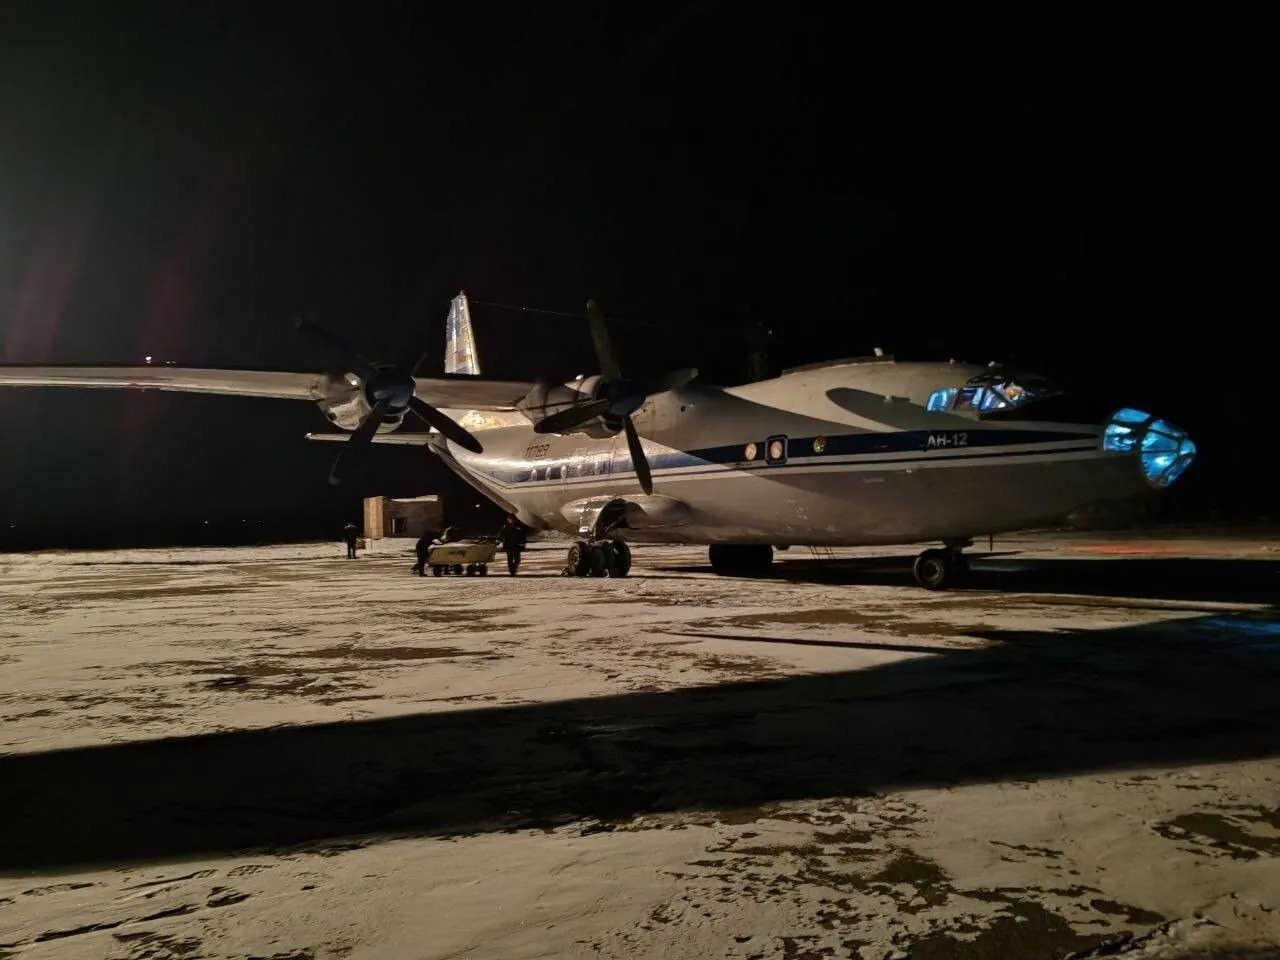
[938, 569]
[599, 558]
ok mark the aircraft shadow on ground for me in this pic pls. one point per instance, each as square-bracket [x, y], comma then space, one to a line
[1026, 705]
[1233, 580]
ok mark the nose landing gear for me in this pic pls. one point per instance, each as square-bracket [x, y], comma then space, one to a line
[940, 569]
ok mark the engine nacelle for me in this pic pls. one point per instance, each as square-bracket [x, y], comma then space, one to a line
[343, 402]
[548, 398]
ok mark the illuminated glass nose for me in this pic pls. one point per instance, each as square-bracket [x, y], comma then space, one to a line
[1164, 450]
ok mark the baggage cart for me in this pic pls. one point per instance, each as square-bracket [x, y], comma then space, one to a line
[471, 557]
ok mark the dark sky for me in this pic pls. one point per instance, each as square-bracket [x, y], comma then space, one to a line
[1091, 196]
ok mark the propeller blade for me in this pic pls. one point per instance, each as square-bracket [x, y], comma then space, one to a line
[638, 459]
[332, 341]
[445, 424]
[671, 380]
[413, 371]
[565, 420]
[352, 452]
[600, 338]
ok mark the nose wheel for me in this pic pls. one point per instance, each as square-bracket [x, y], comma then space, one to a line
[941, 568]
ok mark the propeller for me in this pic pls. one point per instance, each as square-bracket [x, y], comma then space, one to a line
[618, 398]
[389, 388]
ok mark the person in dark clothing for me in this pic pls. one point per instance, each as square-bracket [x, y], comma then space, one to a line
[422, 547]
[350, 534]
[513, 542]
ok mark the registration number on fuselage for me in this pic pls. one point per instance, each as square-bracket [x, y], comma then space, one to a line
[537, 451]
[945, 439]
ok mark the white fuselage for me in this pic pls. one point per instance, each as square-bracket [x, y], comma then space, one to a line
[840, 455]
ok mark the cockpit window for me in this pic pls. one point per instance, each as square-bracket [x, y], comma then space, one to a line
[941, 399]
[990, 391]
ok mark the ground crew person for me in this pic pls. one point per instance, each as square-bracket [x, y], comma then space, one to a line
[422, 548]
[513, 542]
[350, 535]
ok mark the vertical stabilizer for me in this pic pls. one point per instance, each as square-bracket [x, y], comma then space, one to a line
[460, 343]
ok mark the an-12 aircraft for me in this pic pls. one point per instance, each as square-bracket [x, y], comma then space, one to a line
[846, 453]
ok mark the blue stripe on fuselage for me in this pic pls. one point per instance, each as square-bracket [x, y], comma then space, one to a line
[835, 449]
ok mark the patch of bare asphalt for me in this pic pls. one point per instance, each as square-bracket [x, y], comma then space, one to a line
[348, 652]
[148, 945]
[114, 579]
[666, 659]
[438, 613]
[855, 871]
[874, 621]
[1225, 834]
[334, 682]
[178, 590]
[131, 931]
[138, 705]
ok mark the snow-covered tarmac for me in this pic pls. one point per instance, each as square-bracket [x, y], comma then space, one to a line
[278, 753]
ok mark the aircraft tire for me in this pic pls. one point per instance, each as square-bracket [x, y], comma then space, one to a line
[935, 569]
[579, 565]
[619, 558]
[597, 561]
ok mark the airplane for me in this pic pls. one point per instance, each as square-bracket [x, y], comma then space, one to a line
[857, 452]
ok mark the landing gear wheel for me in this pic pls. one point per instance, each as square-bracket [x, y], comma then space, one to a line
[436, 570]
[597, 561]
[619, 559]
[579, 563]
[939, 569]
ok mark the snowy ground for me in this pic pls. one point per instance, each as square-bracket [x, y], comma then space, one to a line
[279, 753]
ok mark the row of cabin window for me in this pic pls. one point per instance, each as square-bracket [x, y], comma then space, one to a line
[567, 471]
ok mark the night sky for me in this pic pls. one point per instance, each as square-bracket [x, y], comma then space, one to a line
[1090, 197]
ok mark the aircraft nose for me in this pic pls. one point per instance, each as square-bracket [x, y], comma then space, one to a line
[1165, 451]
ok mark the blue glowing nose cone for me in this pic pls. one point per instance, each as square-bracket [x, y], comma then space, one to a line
[1164, 450]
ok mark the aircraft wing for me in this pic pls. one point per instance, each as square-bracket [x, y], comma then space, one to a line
[455, 392]
[402, 438]
[466, 392]
[235, 383]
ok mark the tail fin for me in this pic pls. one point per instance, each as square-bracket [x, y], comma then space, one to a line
[460, 343]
